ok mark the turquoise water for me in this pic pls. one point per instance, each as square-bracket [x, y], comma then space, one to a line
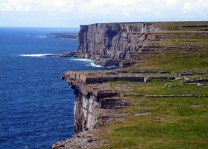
[36, 107]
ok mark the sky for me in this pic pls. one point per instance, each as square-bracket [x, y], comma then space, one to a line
[72, 13]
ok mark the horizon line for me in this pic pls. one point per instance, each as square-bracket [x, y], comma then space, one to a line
[38, 27]
[61, 27]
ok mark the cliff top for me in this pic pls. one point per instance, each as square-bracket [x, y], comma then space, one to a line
[166, 89]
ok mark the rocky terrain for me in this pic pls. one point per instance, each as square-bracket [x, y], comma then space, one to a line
[59, 35]
[66, 54]
[158, 93]
[114, 44]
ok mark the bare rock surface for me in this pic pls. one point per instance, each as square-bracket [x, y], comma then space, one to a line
[99, 94]
[111, 44]
[85, 140]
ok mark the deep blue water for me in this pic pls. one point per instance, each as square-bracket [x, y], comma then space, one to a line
[36, 107]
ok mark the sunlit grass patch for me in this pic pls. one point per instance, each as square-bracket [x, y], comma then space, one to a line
[173, 123]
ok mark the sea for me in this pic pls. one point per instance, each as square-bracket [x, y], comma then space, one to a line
[36, 106]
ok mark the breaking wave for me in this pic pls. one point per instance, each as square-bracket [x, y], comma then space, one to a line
[81, 59]
[94, 65]
[33, 55]
[86, 60]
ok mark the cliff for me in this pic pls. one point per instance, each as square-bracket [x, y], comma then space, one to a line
[160, 96]
[114, 44]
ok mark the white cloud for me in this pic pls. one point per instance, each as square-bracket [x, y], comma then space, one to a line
[74, 12]
[196, 9]
[198, 6]
[171, 2]
[58, 5]
[14, 5]
[157, 1]
[35, 5]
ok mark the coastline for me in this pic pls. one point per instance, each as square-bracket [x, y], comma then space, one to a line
[65, 54]
[106, 98]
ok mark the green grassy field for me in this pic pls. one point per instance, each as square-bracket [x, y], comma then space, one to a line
[160, 123]
[159, 87]
[166, 122]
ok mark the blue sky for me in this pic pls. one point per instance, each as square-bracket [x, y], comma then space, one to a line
[72, 13]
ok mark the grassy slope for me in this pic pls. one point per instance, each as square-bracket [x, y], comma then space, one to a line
[177, 122]
[170, 123]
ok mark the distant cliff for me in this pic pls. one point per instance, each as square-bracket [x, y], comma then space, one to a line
[114, 44]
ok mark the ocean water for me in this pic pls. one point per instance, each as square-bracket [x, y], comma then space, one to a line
[36, 107]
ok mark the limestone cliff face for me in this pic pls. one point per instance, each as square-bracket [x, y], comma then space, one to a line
[85, 111]
[106, 44]
[90, 101]
[109, 44]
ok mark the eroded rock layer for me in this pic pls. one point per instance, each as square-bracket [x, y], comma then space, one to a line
[110, 44]
[90, 98]
[169, 59]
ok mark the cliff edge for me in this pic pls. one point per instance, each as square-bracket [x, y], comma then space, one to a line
[114, 44]
[158, 93]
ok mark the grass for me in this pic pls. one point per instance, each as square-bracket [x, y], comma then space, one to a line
[176, 26]
[159, 87]
[169, 122]
[173, 123]
[188, 49]
[173, 62]
[182, 26]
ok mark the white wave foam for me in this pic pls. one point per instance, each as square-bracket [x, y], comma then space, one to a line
[86, 60]
[80, 59]
[94, 65]
[33, 55]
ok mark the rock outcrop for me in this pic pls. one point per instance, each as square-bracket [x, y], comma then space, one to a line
[65, 54]
[94, 95]
[90, 99]
[99, 94]
[107, 45]
[113, 44]
[59, 35]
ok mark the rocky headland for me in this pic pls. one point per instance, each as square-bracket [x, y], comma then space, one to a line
[115, 44]
[59, 35]
[162, 73]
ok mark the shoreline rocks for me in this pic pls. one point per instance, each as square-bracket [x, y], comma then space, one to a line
[65, 54]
